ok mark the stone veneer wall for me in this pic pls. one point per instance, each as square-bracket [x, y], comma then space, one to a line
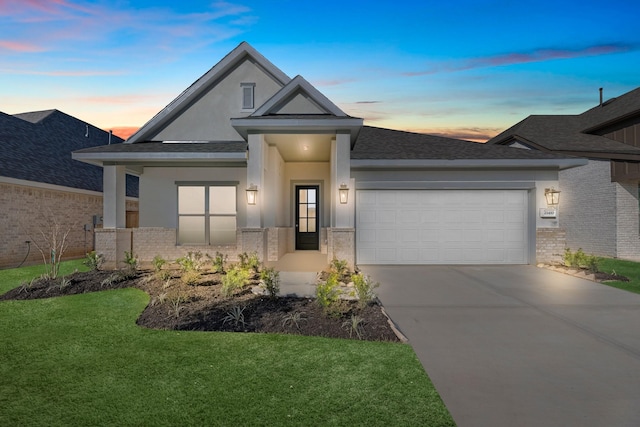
[627, 219]
[550, 244]
[25, 210]
[341, 245]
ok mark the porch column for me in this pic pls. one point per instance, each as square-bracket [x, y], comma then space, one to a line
[114, 196]
[341, 214]
[255, 175]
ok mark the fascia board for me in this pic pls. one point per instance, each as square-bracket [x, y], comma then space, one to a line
[466, 163]
[101, 158]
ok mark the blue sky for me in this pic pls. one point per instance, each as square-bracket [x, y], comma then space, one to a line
[466, 69]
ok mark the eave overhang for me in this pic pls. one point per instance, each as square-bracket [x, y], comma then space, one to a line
[369, 164]
[254, 125]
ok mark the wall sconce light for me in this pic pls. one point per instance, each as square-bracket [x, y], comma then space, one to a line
[552, 195]
[252, 194]
[344, 193]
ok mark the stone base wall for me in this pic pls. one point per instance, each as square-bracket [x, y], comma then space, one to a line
[550, 245]
[277, 242]
[254, 240]
[341, 245]
[25, 211]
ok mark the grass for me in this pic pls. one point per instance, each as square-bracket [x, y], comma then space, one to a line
[629, 269]
[81, 360]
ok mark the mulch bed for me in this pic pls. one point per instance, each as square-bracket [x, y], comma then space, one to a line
[599, 276]
[201, 307]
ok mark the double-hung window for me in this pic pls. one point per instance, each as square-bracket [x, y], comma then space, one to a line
[207, 214]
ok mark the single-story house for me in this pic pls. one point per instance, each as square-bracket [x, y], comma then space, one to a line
[599, 202]
[248, 159]
[40, 183]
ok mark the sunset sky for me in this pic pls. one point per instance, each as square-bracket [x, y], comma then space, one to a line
[466, 69]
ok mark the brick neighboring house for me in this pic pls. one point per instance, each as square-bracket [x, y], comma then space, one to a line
[599, 202]
[39, 179]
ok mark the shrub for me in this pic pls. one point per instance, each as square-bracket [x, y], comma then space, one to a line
[93, 260]
[64, 283]
[581, 260]
[158, 263]
[236, 278]
[218, 262]
[250, 261]
[190, 277]
[328, 294]
[340, 267]
[176, 304]
[192, 261]
[271, 281]
[364, 289]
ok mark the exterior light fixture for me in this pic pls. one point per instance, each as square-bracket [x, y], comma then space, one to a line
[252, 194]
[344, 193]
[552, 195]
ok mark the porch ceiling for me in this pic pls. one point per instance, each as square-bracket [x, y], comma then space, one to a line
[302, 147]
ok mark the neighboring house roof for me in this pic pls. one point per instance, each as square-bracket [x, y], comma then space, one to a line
[37, 146]
[574, 134]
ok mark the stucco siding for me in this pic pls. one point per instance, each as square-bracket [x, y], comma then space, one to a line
[207, 119]
[628, 227]
[588, 208]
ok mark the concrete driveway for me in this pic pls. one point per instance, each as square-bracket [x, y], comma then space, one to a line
[520, 345]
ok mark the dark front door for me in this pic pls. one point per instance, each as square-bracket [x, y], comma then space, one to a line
[307, 224]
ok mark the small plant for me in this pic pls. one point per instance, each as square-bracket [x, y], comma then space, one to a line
[340, 267]
[93, 260]
[192, 261]
[26, 286]
[176, 304]
[218, 262]
[328, 294]
[363, 289]
[250, 261]
[158, 263]
[162, 298]
[235, 315]
[116, 277]
[131, 260]
[355, 325]
[164, 275]
[191, 277]
[64, 283]
[270, 281]
[593, 263]
[236, 278]
[293, 319]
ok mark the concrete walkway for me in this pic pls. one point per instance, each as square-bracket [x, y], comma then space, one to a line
[520, 345]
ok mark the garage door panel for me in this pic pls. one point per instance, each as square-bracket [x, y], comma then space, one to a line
[441, 227]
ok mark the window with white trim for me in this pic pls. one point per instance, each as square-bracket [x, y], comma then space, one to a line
[248, 91]
[207, 214]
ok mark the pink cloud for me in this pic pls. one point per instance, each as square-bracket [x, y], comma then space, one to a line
[468, 134]
[62, 73]
[536, 55]
[20, 46]
[123, 132]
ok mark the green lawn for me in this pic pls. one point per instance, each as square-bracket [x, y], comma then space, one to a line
[629, 269]
[81, 360]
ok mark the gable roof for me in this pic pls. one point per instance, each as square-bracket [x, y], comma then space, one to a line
[298, 86]
[573, 134]
[37, 146]
[242, 52]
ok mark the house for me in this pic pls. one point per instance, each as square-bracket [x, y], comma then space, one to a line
[248, 159]
[599, 201]
[40, 183]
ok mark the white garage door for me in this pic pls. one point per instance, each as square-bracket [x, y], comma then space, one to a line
[441, 227]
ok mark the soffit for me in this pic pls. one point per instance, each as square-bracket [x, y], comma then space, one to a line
[302, 147]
